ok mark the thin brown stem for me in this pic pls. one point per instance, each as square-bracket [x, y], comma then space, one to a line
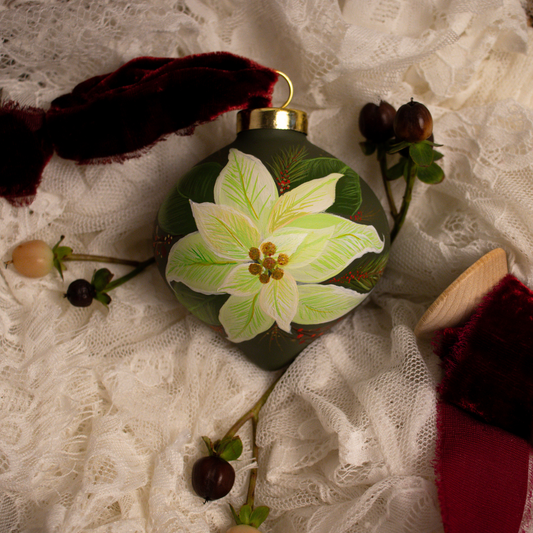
[101, 259]
[382, 158]
[130, 275]
[253, 415]
[253, 474]
[254, 411]
[399, 220]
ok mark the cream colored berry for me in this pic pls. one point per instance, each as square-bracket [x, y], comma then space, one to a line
[33, 259]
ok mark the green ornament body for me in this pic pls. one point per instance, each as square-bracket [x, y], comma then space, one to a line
[270, 241]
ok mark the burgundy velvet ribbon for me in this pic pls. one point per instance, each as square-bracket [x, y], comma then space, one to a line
[119, 115]
[485, 415]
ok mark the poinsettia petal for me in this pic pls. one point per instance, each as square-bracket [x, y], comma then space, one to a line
[323, 303]
[287, 242]
[347, 242]
[241, 282]
[192, 262]
[246, 184]
[279, 300]
[309, 249]
[243, 318]
[311, 197]
[225, 230]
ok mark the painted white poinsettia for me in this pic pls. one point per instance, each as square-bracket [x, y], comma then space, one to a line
[270, 252]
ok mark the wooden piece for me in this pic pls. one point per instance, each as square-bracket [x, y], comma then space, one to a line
[458, 301]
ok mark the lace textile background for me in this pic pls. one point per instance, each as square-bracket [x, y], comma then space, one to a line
[101, 412]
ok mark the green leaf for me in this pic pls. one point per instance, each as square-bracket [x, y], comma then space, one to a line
[58, 265]
[348, 189]
[62, 251]
[175, 215]
[395, 148]
[235, 515]
[396, 171]
[348, 196]
[56, 245]
[229, 448]
[206, 307]
[368, 147]
[103, 298]
[421, 153]
[244, 514]
[259, 515]
[431, 175]
[209, 445]
[437, 155]
[101, 279]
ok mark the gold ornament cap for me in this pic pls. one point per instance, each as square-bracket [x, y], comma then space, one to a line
[273, 118]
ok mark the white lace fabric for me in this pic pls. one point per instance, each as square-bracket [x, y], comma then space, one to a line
[102, 412]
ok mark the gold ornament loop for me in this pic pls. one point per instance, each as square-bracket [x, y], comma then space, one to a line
[291, 88]
[273, 118]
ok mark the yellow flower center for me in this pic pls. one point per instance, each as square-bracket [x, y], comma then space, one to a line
[277, 274]
[268, 248]
[255, 269]
[264, 278]
[268, 267]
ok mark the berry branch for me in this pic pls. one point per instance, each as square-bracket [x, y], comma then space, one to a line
[81, 293]
[35, 259]
[213, 476]
[408, 133]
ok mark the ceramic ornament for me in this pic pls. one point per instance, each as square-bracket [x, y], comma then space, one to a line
[271, 240]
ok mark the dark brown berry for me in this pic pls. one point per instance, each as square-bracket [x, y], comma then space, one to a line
[212, 477]
[413, 122]
[80, 293]
[376, 121]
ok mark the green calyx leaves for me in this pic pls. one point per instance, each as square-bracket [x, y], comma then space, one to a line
[60, 252]
[227, 448]
[368, 147]
[423, 157]
[248, 516]
[100, 281]
[421, 153]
